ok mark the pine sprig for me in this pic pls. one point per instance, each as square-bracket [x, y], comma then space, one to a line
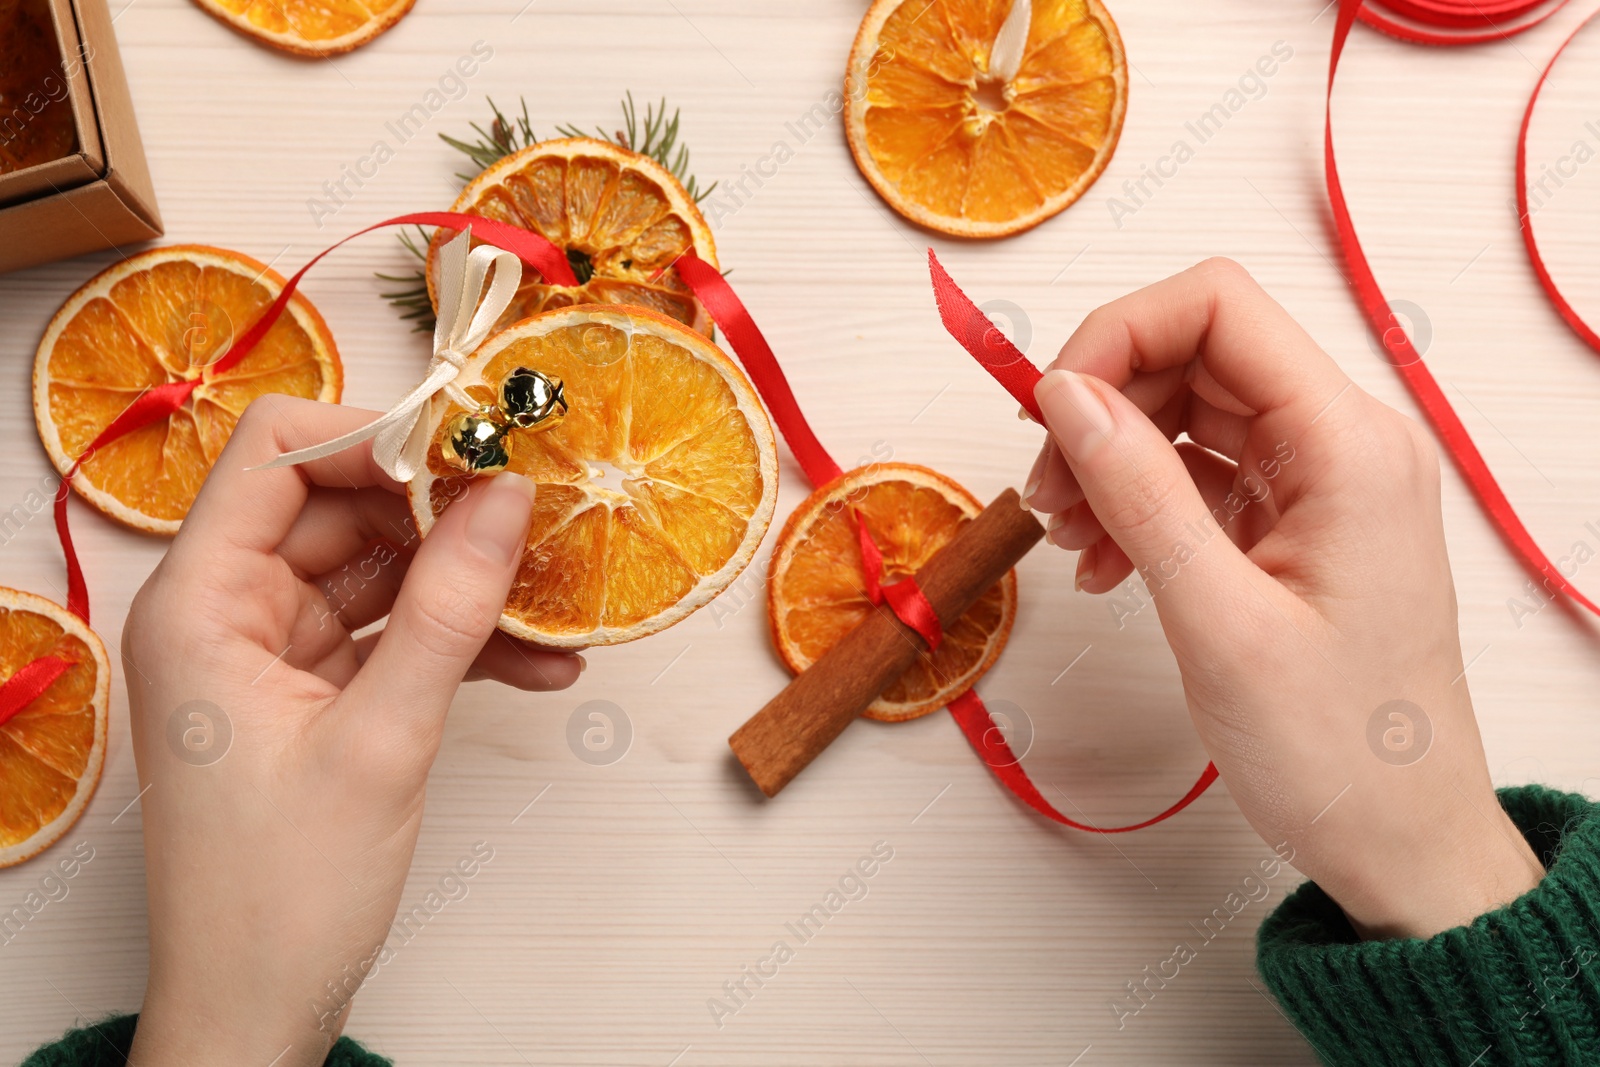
[500, 140]
[656, 136]
[411, 300]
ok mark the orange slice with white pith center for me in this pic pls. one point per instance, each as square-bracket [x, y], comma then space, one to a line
[652, 493]
[956, 143]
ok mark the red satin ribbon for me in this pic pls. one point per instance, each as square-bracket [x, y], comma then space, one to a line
[29, 683]
[1005, 362]
[728, 311]
[905, 598]
[984, 340]
[1408, 361]
[990, 742]
[1469, 22]
[1564, 309]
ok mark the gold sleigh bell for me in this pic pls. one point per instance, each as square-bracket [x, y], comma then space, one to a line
[480, 442]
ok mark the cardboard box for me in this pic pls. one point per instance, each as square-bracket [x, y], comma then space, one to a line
[98, 193]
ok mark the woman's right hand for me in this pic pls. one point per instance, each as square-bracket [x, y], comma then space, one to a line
[1294, 549]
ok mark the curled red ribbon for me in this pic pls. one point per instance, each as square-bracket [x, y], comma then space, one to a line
[989, 740]
[1524, 217]
[1407, 360]
[996, 354]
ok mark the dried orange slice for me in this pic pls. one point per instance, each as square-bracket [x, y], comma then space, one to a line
[816, 593]
[309, 27]
[51, 751]
[162, 316]
[653, 492]
[957, 149]
[620, 216]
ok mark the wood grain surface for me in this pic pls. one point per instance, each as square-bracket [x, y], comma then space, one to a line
[622, 895]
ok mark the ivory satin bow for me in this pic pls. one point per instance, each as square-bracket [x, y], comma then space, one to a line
[399, 436]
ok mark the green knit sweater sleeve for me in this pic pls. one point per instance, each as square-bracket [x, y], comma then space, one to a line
[106, 1044]
[1517, 987]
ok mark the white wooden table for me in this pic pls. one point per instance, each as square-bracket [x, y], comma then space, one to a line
[619, 902]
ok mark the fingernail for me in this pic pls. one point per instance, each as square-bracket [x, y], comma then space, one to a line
[1035, 477]
[1058, 520]
[499, 526]
[583, 664]
[1086, 561]
[1023, 414]
[1079, 420]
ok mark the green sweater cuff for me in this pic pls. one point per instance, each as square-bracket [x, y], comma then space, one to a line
[106, 1044]
[1518, 986]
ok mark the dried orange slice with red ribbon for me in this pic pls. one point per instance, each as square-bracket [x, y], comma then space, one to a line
[816, 593]
[53, 746]
[162, 317]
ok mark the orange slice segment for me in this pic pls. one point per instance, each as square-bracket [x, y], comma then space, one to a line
[817, 594]
[162, 316]
[620, 216]
[953, 147]
[309, 27]
[52, 751]
[653, 492]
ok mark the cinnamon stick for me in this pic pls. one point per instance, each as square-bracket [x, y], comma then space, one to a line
[797, 724]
